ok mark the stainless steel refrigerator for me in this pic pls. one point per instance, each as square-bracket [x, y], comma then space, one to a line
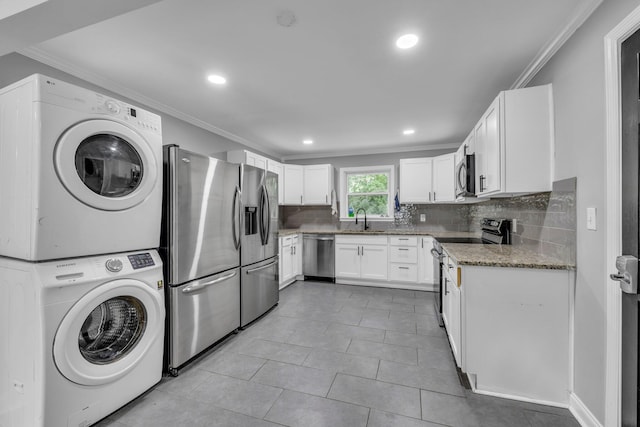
[259, 243]
[200, 244]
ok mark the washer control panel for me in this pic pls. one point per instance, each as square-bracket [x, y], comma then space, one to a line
[141, 260]
[114, 265]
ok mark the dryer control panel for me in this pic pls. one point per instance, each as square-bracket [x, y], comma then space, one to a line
[141, 260]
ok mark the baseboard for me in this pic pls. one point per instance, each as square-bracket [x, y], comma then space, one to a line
[385, 284]
[582, 413]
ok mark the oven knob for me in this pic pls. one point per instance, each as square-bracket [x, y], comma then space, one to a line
[112, 106]
[114, 265]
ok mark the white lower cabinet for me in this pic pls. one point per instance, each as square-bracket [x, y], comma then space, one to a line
[389, 261]
[509, 329]
[361, 258]
[290, 259]
[426, 264]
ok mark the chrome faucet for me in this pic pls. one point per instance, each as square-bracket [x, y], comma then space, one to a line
[366, 227]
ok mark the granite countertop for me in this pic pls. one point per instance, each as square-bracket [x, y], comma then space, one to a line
[394, 232]
[502, 256]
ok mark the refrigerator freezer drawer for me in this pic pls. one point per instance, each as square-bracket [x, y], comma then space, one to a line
[202, 312]
[259, 289]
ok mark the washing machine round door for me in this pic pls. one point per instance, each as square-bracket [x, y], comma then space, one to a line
[106, 164]
[108, 331]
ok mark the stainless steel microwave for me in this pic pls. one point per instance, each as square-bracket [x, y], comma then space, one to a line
[466, 176]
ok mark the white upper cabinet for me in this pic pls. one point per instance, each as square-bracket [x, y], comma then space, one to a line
[443, 178]
[293, 184]
[308, 185]
[318, 184]
[416, 180]
[514, 143]
[427, 179]
[248, 158]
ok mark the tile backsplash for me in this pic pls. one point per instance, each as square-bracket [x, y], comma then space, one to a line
[546, 222]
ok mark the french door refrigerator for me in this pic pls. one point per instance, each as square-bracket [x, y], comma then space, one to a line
[259, 243]
[200, 244]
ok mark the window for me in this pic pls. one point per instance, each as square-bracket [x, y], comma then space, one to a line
[368, 188]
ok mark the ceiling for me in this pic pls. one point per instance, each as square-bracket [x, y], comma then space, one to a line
[335, 76]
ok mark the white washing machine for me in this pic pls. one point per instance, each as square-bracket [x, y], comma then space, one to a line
[80, 337]
[80, 172]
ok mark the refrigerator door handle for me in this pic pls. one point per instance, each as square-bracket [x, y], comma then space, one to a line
[198, 286]
[261, 226]
[236, 214]
[268, 218]
[271, 264]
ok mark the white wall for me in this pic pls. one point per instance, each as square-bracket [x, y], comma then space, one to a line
[577, 75]
[14, 67]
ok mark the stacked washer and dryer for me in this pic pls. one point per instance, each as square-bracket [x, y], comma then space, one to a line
[82, 309]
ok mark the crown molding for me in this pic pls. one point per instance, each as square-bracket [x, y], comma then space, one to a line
[359, 152]
[98, 80]
[550, 49]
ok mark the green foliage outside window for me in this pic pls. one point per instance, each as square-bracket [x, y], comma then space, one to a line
[369, 192]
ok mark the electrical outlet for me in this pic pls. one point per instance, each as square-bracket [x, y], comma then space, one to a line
[423, 217]
[591, 219]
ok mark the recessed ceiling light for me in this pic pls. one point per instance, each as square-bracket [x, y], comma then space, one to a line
[307, 142]
[408, 132]
[216, 79]
[407, 41]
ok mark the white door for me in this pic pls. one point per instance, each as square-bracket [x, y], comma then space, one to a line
[374, 262]
[415, 180]
[316, 185]
[426, 262]
[106, 165]
[347, 261]
[293, 184]
[444, 178]
[106, 332]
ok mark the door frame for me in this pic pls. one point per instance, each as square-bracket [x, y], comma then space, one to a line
[613, 229]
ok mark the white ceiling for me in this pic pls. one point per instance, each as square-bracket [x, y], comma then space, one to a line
[335, 76]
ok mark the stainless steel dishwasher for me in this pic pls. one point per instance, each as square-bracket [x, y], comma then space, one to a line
[318, 256]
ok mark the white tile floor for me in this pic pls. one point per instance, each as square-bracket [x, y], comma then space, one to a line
[331, 355]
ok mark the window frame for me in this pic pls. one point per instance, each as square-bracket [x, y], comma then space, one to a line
[388, 169]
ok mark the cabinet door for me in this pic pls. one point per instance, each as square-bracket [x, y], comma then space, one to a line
[443, 178]
[455, 324]
[415, 180]
[373, 262]
[347, 261]
[426, 262]
[488, 150]
[286, 260]
[256, 160]
[293, 184]
[317, 181]
[297, 259]
[446, 302]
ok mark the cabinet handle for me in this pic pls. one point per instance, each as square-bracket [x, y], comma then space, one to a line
[403, 238]
[482, 178]
[358, 250]
[422, 243]
[301, 199]
[402, 249]
[429, 195]
[446, 292]
[326, 198]
[403, 268]
[362, 250]
[434, 196]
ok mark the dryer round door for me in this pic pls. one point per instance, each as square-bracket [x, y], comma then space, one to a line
[108, 332]
[106, 165]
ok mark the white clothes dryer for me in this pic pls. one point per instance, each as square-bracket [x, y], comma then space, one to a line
[80, 172]
[80, 337]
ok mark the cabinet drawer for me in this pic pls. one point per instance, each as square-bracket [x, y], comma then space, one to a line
[403, 241]
[403, 272]
[286, 241]
[400, 254]
[294, 239]
[362, 240]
